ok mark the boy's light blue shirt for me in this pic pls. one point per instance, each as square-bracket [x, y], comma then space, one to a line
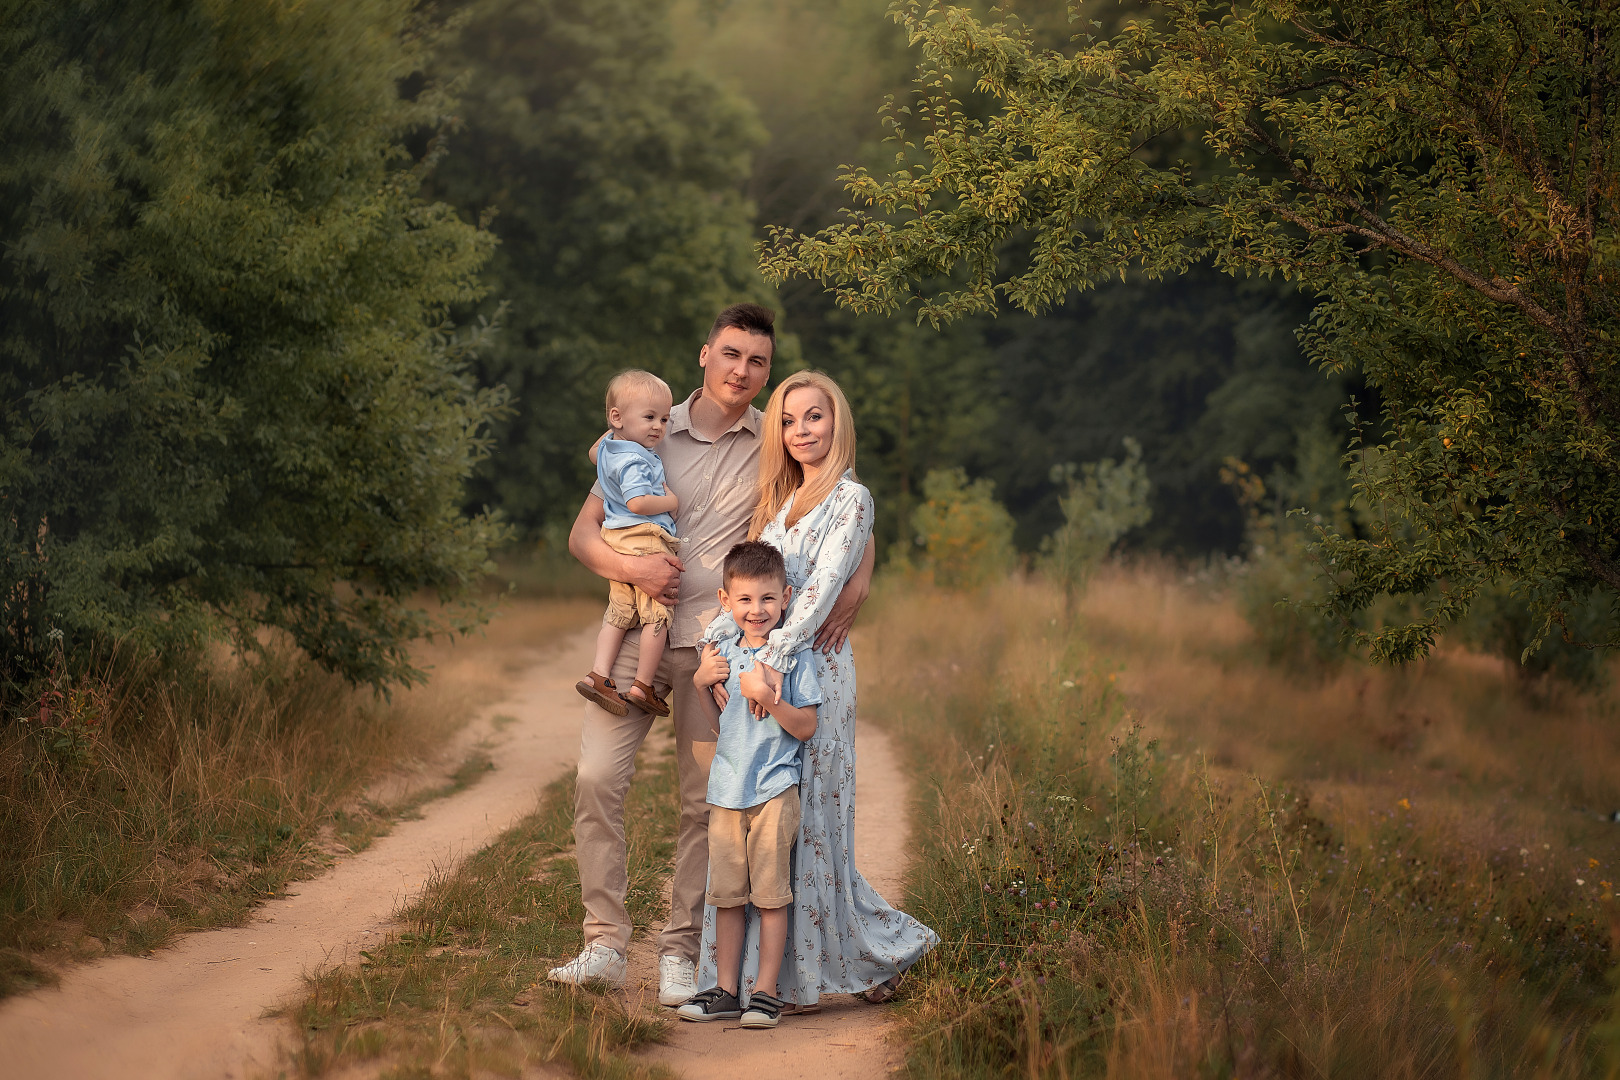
[754, 760]
[627, 470]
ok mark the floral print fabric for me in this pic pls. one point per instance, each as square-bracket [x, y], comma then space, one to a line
[843, 937]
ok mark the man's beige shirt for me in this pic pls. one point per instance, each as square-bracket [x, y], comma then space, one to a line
[716, 483]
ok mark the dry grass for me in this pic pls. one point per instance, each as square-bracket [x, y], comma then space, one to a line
[1151, 854]
[459, 991]
[182, 802]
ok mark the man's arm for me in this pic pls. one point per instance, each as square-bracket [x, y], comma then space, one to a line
[656, 575]
[835, 631]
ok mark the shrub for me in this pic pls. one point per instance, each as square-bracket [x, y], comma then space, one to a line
[966, 536]
[1104, 501]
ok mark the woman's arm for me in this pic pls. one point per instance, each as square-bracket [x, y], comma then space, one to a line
[798, 721]
[835, 631]
[656, 575]
[840, 554]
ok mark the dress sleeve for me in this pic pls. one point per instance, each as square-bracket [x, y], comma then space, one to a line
[837, 556]
[723, 628]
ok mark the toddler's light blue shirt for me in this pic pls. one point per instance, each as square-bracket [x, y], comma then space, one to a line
[628, 470]
[755, 760]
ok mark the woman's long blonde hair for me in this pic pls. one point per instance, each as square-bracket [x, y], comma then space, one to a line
[779, 475]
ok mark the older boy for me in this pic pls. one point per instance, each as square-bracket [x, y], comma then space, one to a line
[753, 787]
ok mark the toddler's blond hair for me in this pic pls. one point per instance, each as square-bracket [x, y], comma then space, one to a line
[629, 382]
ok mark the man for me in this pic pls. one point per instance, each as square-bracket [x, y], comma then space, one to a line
[711, 463]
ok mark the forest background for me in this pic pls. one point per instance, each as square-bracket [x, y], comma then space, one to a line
[306, 311]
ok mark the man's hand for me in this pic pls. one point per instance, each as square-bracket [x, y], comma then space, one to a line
[656, 575]
[835, 629]
[712, 668]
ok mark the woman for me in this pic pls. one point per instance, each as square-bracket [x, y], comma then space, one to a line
[843, 938]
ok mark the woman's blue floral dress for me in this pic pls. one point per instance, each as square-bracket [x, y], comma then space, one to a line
[843, 937]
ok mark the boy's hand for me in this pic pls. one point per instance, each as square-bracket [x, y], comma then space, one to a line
[597, 445]
[712, 667]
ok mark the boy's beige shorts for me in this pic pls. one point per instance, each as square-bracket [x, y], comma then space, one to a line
[628, 606]
[751, 853]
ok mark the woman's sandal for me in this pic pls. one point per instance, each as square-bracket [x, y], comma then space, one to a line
[883, 991]
[651, 702]
[601, 690]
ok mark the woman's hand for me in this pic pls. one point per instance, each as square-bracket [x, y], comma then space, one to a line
[762, 686]
[835, 629]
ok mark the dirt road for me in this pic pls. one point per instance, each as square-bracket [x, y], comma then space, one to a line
[195, 1011]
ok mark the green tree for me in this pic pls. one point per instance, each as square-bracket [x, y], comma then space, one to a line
[1441, 177]
[1199, 368]
[964, 533]
[230, 397]
[1103, 501]
[612, 171]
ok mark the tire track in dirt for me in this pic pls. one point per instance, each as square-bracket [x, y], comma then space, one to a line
[194, 1011]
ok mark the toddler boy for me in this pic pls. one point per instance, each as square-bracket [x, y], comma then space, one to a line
[639, 521]
[753, 787]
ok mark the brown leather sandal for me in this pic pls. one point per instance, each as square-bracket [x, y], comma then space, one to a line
[884, 991]
[601, 690]
[652, 702]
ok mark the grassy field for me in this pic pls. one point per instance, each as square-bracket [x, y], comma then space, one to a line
[1152, 854]
[459, 991]
[179, 803]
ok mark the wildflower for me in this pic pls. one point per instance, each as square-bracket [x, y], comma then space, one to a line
[1580, 881]
[1405, 804]
[1592, 864]
[1068, 684]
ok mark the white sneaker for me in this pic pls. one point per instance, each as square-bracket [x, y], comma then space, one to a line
[598, 963]
[677, 980]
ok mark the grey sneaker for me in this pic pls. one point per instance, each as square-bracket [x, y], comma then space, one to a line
[597, 963]
[763, 1011]
[712, 1004]
[677, 980]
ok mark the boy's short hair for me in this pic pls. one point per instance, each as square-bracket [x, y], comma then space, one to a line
[754, 318]
[754, 560]
[632, 381]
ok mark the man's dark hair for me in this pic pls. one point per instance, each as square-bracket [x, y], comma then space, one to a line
[754, 560]
[750, 317]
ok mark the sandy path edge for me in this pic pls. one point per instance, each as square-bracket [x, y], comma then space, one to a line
[194, 1011]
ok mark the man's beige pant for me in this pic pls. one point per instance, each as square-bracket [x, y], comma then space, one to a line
[607, 761]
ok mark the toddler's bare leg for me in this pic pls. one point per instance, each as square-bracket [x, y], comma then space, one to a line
[653, 638]
[728, 946]
[607, 648]
[773, 926]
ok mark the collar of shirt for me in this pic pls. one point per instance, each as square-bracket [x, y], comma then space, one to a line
[680, 419]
